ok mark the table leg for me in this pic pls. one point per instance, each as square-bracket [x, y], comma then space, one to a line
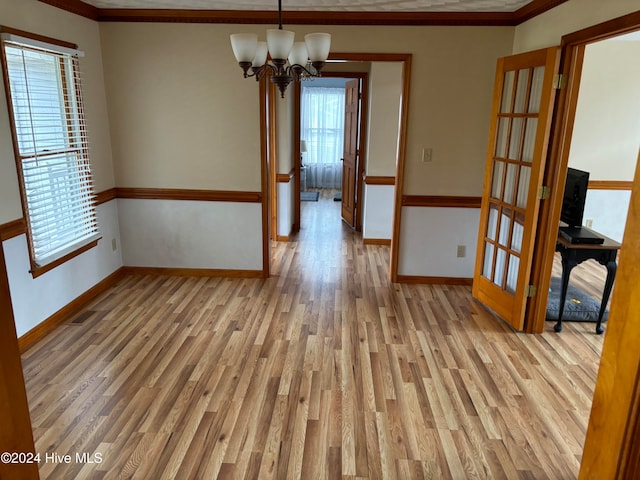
[611, 276]
[567, 266]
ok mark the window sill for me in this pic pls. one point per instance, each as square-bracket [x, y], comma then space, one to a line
[36, 271]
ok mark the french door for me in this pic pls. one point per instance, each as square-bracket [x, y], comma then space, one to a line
[520, 123]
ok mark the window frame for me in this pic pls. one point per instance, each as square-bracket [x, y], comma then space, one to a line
[37, 269]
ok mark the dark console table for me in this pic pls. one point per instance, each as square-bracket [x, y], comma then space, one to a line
[575, 253]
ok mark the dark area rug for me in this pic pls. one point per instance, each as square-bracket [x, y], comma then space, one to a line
[579, 307]
[309, 196]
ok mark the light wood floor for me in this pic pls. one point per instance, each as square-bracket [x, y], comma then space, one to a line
[323, 371]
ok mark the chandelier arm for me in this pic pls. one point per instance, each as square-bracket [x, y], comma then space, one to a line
[297, 70]
[261, 72]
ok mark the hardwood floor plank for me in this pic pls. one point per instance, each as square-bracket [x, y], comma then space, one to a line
[324, 370]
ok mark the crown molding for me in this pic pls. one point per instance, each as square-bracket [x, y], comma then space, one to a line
[308, 18]
[75, 6]
[536, 7]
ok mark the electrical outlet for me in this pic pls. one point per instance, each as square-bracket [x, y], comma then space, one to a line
[588, 223]
[114, 244]
[461, 251]
[426, 155]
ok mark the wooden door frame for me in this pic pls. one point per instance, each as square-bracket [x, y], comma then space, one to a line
[405, 60]
[611, 446]
[362, 129]
[16, 434]
[572, 54]
[267, 171]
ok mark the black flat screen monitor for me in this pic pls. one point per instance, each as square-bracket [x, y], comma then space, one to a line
[575, 194]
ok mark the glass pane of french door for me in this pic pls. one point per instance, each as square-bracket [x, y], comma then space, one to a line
[511, 174]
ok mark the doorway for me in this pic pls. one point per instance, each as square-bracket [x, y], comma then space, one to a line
[568, 151]
[331, 119]
[610, 449]
[604, 146]
[283, 131]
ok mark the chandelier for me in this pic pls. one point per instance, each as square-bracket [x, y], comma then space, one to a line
[290, 60]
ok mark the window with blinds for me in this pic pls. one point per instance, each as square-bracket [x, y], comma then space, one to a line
[51, 147]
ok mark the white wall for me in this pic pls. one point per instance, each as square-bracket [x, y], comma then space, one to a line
[36, 299]
[547, 29]
[377, 221]
[284, 163]
[285, 208]
[429, 241]
[385, 87]
[606, 132]
[191, 234]
[607, 210]
[181, 115]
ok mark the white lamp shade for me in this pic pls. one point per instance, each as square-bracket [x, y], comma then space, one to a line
[318, 45]
[303, 146]
[244, 46]
[280, 43]
[298, 54]
[261, 55]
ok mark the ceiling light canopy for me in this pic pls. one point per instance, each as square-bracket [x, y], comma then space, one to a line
[290, 60]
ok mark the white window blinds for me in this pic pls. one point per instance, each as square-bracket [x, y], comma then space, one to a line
[51, 140]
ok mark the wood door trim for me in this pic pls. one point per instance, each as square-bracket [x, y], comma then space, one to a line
[607, 444]
[297, 158]
[629, 466]
[610, 443]
[441, 201]
[572, 56]
[610, 185]
[16, 434]
[271, 162]
[394, 255]
[265, 174]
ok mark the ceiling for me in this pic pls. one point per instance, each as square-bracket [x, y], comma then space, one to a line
[322, 5]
